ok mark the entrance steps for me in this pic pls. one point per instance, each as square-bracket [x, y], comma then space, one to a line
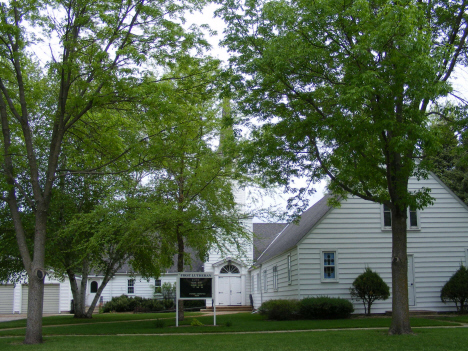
[228, 308]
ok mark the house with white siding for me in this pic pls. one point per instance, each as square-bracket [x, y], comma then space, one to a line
[330, 247]
[321, 255]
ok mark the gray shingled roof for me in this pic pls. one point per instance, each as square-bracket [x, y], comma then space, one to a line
[264, 233]
[293, 233]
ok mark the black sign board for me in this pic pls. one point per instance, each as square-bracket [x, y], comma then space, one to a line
[195, 286]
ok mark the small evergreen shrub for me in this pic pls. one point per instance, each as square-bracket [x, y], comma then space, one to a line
[368, 287]
[456, 289]
[324, 307]
[280, 309]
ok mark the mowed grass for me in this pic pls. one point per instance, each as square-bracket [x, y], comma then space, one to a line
[356, 340]
[118, 324]
[97, 318]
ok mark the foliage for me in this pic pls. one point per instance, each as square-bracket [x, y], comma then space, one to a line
[168, 291]
[456, 290]
[280, 309]
[124, 303]
[321, 307]
[368, 287]
[451, 162]
[65, 65]
[324, 307]
[196, 323]
[342, 90]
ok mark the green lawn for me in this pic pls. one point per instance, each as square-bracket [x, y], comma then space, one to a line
[105, 333]
[356, 340]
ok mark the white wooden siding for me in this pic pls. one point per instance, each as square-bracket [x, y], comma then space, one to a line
[354, 230]
[285, 290]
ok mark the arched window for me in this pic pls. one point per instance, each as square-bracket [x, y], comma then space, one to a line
[230, 268]
[94, 286]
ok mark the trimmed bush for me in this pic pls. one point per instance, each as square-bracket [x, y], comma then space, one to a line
[280, 310]
[456, 289]
[324, 307]
[368, 287]
[125, 303]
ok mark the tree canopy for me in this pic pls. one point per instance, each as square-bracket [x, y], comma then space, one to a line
[60, 61]
[342, 90]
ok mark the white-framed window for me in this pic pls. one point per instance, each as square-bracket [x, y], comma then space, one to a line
[289, 270]
[413, 218]
[329, 265]
[131, 286]
[275, 278]
[387, 217]
[157, 285]
[412, 223]
[259, 284]
[265, 283]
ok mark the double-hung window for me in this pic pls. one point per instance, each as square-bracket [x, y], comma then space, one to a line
[259, 284]
[265, 283]
[412, 222]
[329, 266]
[131, 286]
[157, 286]
[289, 270]
[275, 278]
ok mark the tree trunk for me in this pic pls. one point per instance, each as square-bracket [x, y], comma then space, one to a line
[108, 276]
[35, 304]
[180, 268]
[36, 283]
[400, 307]
[78, 292]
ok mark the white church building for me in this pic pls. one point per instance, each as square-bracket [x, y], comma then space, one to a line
[321, 255]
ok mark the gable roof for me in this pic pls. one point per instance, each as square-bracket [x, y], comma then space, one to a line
[264, 233]
[293, 233]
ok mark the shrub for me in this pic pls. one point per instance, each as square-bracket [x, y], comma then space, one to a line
[125, 303]
[323, 307]
[196, 323]
[194, 303]
[280, 310]
[368, 287]
[456, 289]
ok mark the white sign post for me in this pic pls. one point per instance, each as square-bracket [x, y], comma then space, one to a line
[194, 286]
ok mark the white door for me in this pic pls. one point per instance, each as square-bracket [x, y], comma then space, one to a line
[411, 299]
[229, 290]
[236, 291]
[224, 296]
[6, 298]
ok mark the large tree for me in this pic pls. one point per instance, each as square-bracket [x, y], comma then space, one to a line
[341, 89]
[193, 180]
[59, 61]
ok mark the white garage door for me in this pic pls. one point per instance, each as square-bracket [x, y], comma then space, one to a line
[51, 299]
[6, 298]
